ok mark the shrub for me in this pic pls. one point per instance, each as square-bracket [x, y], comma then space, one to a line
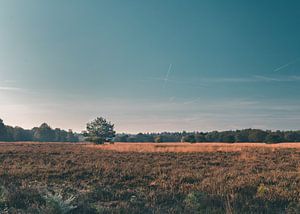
[55, 203]
[199, 202]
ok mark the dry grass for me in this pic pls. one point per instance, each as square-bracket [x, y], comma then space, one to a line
[188, 147]
[152, 178]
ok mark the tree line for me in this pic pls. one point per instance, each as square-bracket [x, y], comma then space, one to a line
[43, 133]
[100, 131]
[245, 135]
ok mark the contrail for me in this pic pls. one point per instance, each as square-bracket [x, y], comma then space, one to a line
[286, 65]
[166, 79]
[191, 84]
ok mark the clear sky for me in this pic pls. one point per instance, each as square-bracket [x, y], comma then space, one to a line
[161, 65]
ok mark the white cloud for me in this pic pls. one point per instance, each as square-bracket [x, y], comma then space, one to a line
[142, 115]
[7, 88]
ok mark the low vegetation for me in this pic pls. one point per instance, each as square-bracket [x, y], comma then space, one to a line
[84, 178]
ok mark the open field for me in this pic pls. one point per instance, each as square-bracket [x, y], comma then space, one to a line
[188, 147]
[159, 178]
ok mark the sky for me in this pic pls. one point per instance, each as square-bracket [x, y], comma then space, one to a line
[151, 66]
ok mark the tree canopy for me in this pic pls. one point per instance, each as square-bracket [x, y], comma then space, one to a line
[245, 135]
[100, 131]
[43, 133]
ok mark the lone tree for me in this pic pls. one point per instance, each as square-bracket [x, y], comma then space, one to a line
[100, 131]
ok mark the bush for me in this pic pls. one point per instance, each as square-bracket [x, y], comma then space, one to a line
[55, 203]
[199, 202]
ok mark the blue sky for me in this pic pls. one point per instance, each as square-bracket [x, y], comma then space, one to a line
[234, 64]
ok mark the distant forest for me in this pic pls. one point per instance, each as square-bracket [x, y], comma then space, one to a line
[44, 133]
[245, 135]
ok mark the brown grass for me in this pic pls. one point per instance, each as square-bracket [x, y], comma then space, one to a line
[152, 178]
[188, 147]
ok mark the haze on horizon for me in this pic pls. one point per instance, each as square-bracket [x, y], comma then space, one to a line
[151, 66]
